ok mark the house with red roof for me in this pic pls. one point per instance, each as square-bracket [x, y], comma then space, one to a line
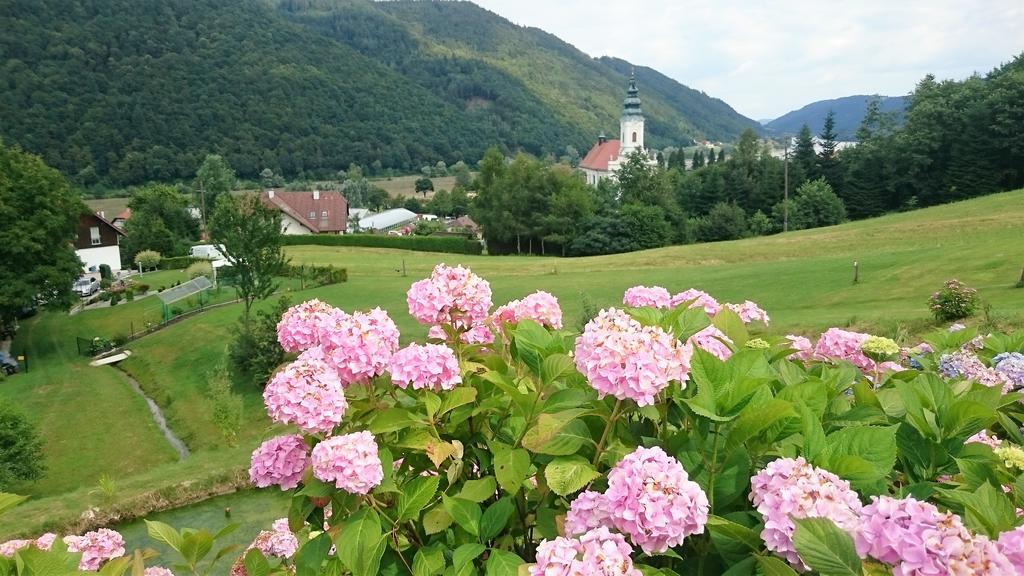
[309, 212]
[605, 158]
[98, 242]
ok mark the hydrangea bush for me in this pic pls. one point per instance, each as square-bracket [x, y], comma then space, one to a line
[955, 300]
[674, 435]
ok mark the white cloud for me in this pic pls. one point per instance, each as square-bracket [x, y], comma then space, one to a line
[767, 58]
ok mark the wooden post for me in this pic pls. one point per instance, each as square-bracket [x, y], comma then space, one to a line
[403, 267]
[856, 271]
[1020, 283]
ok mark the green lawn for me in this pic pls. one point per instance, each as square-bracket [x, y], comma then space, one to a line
[97, 424]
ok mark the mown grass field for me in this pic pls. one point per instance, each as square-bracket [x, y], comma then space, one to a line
[95, 424]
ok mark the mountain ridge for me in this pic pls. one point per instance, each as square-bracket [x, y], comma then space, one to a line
[849, 111]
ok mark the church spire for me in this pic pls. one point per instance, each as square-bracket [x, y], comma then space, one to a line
[631, 105]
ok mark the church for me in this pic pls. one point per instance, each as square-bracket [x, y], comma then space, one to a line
[605, 158]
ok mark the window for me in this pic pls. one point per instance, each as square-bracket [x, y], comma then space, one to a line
[323, 215]
[634, 137]
[94, 234]
[312, 214]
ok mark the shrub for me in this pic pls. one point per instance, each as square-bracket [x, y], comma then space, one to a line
[178, 262]
[227, 405]
[105, 272]
[142, 288]
[955, 300]
[21, 448]
[198, 269]
[451, 245]
[255, 353]
[148, 259]
[115, 298]
[129, 295]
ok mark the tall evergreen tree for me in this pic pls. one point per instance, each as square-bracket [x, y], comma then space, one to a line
[828, 158]
[721, 155]
[804, 159]
[698, 159]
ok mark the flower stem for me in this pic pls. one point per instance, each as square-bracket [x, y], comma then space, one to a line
[607, 429]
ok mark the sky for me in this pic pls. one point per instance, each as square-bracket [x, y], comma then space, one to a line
[766, 58]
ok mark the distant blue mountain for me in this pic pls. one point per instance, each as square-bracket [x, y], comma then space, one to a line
[849, 112]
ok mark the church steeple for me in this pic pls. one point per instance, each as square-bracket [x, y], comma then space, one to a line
[631, 105]
[631, 125]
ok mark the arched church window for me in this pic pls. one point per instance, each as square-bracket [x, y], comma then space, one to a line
[634, 137]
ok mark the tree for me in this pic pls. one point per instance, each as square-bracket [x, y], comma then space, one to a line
[828, 158]
[711, 157]
[725, 221]
[814, 205]
[160, 221]
[698, 159]
[38, 223]
[463, 177]
[256, 353]
[214, 177]
[423, 185]
[250, 233]
[721, 155]
[805, 161]
[21, 448]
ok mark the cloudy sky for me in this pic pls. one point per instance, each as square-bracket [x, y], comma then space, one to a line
[766, 58]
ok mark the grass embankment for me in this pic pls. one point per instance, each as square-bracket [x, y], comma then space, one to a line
[803, 279]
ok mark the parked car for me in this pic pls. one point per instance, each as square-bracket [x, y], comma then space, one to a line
[207, 251]
[86, 286]
[7, 364]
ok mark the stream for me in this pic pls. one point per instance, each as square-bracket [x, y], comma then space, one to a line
[158, 417]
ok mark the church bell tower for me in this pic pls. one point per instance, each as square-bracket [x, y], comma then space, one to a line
[631, 125]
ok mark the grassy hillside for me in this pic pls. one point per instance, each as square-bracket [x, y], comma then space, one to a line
[803, 279]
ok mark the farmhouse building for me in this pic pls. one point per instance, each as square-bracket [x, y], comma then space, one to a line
[315, 212]
[388, 221]
[605, 158]
[98, 242]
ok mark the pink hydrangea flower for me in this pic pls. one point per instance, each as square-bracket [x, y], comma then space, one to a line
[541, 307]
[596, 553]
[157, 571]
[358, 345]
[713, 341]
[299, 328]
[749, 312]
[651, 498]
[45, 542]
[916, 538]
[430, 366]
[306, 393]
[629, 361]
[452, 296]
[588, 511]
[350, 461]
[697, 299]
[981, 556]
[966, 364]
[1011, 544]
[983, 437]
[279, 461]
[791, 488]
[9, 548]
[653, 296]
[838, 344]
[804, 348]
[96, 547]
[479, 334]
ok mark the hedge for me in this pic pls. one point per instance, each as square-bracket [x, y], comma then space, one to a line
[178, 262]
[449, 244]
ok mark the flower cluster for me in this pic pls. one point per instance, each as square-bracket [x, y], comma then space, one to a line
[430, 366]
[838, 344]
[880, 347]
[653, 296]
[1011, 366]
[279, 461]
[453, 296]
[983, 437]
[629, 361]
[791, 488]
[306, 393]
[350, 461]
[1011, 544]
[359, 345]
[157, 571]
[804, 350]
[1012, 456]
[906, 534]
[955, 300]
[541, 307]
[299, 328]
[650, 498]
[757, 344]
[597, 552]
[749, 312]
[96, 547]
[277, 543]
[713, 341]
[965, 364]
[697, 299]
[7, 549]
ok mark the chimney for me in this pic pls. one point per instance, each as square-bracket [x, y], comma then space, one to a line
[270, 193]
[103, 214]
[601, 138]
[316, 194]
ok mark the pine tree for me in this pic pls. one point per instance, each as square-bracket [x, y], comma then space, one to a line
[721, 155]
[828, 158]
[711, 157]
[804, 158]
[698, 159]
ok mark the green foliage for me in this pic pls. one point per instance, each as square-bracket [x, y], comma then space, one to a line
[105, 272]
[227, 405]
[424, 184]
[724, 221]
[149, 259]
[21, 448]
[451, 245]
[255, 353]
[214, 177]
[197, 269]
[160, 221]
[815, 205]
[38, 224]
[176, 262]
[955, 300]
[193, 547]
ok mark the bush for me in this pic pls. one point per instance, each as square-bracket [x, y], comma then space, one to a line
[21, 448]
[129, 295]
[115, 298]
[105, 272]
[142, 288]
[105, 283]
[178, 262]
[315, 275]
[954, 301]
[197, 269]
[814, 205]
[451, 245]
[255, 353]
[148, 259]
[725, 221]
[227, 406]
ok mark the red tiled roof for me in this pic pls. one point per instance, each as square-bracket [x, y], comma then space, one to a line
[298, 205]
[600, 154]
[126, 214]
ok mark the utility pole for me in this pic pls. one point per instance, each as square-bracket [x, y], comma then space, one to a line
[785, 190]
[202, 202]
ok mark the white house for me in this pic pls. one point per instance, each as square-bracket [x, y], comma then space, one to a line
[98, 242]
[313, 212]
[607, 156]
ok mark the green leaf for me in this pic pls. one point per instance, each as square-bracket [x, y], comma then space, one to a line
[547, 427]
[457, 397]
[864, 455]
[772, 566]
[227, 529]
[511, 467]
[8, 501]
[196, 545]
[730, 324]
[415, 496]
[479, 490]
[986, 510]
[436, 520]
[255, 563]
[826, 548]
[747, 536]
[163, 533]
[465, 513]
[502, 563]
[391, 420]
[568, 441]
[428, 561]
[708, 374]
[755, 419]
[465, 554]
[568, 474]
[813, 433]
[495, 518]
[312, 554]
[556, 366]
[362, 544]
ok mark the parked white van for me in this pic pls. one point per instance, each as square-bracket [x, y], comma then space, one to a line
[207, 251]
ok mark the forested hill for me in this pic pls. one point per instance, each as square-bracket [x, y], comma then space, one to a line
[849, 112]
[122, 92]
